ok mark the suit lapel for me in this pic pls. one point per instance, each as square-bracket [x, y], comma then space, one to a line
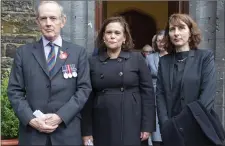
[39, 55]
[172, 60]
[188, 65]
[60, 62]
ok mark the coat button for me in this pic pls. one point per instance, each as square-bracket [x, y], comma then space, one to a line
[121, 74]
[182, 98]
[121, 89]
[101, 76]
[103, 91]
[104, 62]
[181, 129]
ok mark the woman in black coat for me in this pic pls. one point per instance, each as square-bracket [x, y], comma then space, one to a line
[187, 74]
[121, 110]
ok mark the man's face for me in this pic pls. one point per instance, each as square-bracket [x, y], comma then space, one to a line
[50, 20]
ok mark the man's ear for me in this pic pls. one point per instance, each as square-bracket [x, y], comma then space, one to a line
[63, 21]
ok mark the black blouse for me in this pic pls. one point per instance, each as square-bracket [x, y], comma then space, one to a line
[180, 61]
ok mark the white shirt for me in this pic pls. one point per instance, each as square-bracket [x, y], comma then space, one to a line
[47, 48]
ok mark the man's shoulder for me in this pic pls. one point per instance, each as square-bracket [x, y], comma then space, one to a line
[73, 46]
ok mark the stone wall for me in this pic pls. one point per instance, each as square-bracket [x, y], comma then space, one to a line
[18, 27]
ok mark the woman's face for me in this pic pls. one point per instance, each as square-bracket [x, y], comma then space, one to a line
[114, 36]
[179, 35]
[160, 43]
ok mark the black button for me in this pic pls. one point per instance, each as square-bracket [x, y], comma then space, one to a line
[121, 89]
[121, 74]
[182, 98]
[103, 91]
[47, 86]
[101, 76]
[181, 129]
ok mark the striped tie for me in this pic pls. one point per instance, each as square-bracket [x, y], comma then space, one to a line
[51, 59]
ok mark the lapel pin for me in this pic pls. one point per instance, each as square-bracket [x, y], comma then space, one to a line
[63, 55]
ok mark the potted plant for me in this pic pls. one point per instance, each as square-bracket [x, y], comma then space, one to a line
[9, 122]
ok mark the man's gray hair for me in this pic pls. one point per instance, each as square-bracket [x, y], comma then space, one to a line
[53, 2]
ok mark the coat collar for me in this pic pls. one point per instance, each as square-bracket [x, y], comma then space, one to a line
[123, 54]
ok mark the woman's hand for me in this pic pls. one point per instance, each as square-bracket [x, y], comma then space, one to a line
[144, 136]
[87, 140]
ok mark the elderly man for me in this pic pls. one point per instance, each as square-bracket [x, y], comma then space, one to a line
[49, 84]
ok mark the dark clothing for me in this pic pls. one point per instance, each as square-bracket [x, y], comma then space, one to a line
[194, 126]
[32, 88]
[123, 101]
[180, 60]
[198, 83]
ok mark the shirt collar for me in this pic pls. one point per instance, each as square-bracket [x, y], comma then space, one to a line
[57, 42]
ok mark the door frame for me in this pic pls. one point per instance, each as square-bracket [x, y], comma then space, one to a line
[101, 10]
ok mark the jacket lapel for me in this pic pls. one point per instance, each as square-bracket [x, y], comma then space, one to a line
[60, 61]
[172, 70]
[39, 55]
[188, 64]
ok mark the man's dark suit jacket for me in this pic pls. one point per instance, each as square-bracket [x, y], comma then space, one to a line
[194, 126]
[32, 88]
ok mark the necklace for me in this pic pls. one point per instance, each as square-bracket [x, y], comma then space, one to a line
[181, 60]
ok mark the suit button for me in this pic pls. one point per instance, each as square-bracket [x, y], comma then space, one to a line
[181, 129]
[104, 62]
[121, 89]
[47, 86]
[101, 76]
[121, 74]
[103, 91]
[182, 98]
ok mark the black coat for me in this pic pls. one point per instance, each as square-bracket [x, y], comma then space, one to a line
[198, 82]
[122, 103]
[194, 126]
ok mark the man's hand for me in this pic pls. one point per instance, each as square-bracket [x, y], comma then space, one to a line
[85, 140]
[39, 124]
[144, 136]
[52, 119]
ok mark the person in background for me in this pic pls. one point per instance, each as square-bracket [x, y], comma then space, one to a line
[49, 84]
[146, 50]
[121, 110]
[153, 61]
[186, 78]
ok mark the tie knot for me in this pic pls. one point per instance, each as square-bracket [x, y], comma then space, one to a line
[51, 44]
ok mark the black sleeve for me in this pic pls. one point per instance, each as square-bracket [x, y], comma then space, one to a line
[147, 97]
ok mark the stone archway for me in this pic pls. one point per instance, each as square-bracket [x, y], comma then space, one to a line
[142, 26]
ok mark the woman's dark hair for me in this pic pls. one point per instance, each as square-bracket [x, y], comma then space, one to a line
[161, 32]
[128, 43]
[176, 19]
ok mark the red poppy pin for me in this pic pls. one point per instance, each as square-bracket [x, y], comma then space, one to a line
[63, 55]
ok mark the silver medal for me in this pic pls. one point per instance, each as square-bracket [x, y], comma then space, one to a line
[65, 75]
[70, 75]
[74, 74]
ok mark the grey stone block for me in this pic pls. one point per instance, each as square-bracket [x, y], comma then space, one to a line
[3, 50]
[18, 39]
[6, 62]
[10, 50]
[17, 6]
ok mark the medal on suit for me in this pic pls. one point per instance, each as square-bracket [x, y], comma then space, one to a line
[69, 69]
[64, 70]
[74, 70]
